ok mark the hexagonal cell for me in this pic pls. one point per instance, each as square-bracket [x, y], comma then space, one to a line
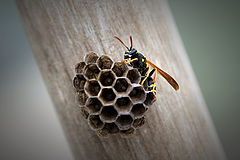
[81, 97]
[121, 85]
[134, 76]
[106, 78]
[104, 62]
[91, 71]
[91, 58]
[95, 122]
[137, 94]
[128, 132]
[108, 114]
[124, 121]
[79, 82]
[139, 122]
[138, 110]
[120, 68]
[92, 87]
[150, 99]
[111, 128]
[84, 112]
[94, 105]
[107, 95]
[79, 67]
[102, 133]
[123, 104]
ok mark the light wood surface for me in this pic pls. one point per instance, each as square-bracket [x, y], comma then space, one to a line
[61, 32]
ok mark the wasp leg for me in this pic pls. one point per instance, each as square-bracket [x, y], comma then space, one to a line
[148, 71]
[154, 84]
[125, 61]
[154, 91]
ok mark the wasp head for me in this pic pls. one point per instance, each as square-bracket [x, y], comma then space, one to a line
[129, 53]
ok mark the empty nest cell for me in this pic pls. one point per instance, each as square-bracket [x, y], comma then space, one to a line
[138, 110]
[84, 112]
[104, 62]
[120, 68]
[94, 105]
[123, 104]
[134, 76]
[91, 71]
[124, 121]
[91, 58]
[79, 67]
[106, 78]
[79, 82]
[81, 97]
[137, 94]
[92, 87]
[95, 122]
[150, 98]
[127, 132]
[108, 113]
[107, 95]
[109, 128]
[139, 122]
[121, 85]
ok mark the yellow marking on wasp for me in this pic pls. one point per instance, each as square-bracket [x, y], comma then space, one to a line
[135, 59]
[170, 80]
[127, 55]
[154, 92]
[152, 85]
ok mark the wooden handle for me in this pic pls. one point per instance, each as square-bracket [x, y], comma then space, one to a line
[61, 32]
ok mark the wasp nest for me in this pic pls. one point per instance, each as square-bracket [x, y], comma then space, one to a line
[110, 96]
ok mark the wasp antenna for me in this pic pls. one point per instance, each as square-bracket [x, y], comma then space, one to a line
[121, 42]
[131, 42]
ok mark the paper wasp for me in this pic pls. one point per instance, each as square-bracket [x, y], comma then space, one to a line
[137, 60]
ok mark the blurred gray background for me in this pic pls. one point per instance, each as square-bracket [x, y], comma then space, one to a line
[29, 125]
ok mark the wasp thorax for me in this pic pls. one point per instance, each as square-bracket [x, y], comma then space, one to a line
[110, 96]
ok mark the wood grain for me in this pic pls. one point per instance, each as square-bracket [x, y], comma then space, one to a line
[62, 32]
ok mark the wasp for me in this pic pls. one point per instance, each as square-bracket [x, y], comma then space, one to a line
[139, 61]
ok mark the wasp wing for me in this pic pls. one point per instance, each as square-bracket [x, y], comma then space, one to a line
[170, 80]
